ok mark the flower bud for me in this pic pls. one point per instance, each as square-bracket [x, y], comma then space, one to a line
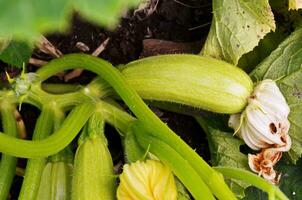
[146, 180]
[56, 181]
[264, 122]
[23, 83]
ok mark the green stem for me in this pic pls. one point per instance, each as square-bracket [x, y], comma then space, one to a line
[54, 143]
[253, 179]
[115, 116]
[35, 166]
[181, 168]
[39, 98]
[57, 88]
[150, 121]
[8, 163]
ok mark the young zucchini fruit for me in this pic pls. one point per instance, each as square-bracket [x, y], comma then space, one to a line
[56, 177]
[93, 167]
[197, 81]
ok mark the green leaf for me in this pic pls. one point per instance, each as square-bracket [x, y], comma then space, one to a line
[16, 54]
[103, 12]
[225, 150]
[237, 27]
[284, 65]
[253, 193]
[26, 20]
[4, 42]
[270, 42]
[291, 180]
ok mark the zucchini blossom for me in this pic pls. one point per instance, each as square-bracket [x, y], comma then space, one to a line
[147, 180]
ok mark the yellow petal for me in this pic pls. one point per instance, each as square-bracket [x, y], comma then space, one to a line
[150, 180]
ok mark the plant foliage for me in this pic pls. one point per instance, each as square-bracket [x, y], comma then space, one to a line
[237, 27]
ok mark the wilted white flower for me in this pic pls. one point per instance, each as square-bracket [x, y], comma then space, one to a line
[263, 125]
[146, 180]
[264, 122]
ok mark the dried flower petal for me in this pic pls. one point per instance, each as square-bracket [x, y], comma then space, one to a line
[263, 163]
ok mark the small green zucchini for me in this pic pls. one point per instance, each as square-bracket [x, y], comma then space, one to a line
[94, 177]
[197, 81]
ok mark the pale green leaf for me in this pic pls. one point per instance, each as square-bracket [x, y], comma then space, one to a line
[26, 20]
[284, 65]
[269, 43]
[225, 150]
[237, 27]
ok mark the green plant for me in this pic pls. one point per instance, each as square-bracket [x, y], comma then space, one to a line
[151, 134]
[237, 27]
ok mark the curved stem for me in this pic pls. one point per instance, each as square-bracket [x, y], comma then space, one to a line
[8, 163]
[54, 143]
[150, 121]
[253, 179]
[182, 169]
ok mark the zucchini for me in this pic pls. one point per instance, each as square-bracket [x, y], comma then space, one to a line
[197, 81]
[94, 177]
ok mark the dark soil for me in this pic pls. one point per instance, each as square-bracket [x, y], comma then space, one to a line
[174, 27]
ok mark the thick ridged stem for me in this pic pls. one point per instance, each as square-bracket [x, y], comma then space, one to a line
[52, 144]
[8, 163]
[177, 164]
[246, 176]
[35, 166]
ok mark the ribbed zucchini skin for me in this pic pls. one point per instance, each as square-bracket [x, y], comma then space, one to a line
[93, 176]
[197, 81]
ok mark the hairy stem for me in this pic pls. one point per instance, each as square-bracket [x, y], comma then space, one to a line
[8, 163]
[253, 179]
[35, 166]
[54, 143]
[178, 165]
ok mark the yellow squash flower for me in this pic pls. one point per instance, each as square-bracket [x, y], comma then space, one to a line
[150, 180]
